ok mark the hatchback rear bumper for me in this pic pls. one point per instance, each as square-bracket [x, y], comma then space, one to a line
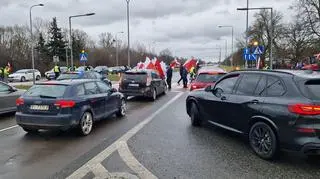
[311, 149]
[45, 121]
[141, 92]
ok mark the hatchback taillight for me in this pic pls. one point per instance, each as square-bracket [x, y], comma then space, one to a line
[65, 103]
[304, 109]
[19, 101]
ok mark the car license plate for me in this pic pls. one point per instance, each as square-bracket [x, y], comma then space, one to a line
[39, 107]
[134, 85]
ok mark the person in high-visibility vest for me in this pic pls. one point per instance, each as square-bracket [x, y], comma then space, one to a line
[192, 73]
[1, 74]
[56, 70]
[6, 74]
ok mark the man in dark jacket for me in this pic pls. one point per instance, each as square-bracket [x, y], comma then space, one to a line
[185, 77]
[169, 77]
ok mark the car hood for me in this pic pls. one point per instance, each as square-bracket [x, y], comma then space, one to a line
[15, 74]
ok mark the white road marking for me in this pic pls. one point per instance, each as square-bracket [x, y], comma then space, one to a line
[8, 128]
[124, 152]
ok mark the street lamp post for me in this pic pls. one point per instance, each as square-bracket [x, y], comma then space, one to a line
[117, 48]
[271, 31]
[229, 26]
[128, 24]
[70, 35]
[31, 35]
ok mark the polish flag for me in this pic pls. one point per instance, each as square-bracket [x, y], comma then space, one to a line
[174, 63]
[190, 63]
[158, 67]
[140, 65]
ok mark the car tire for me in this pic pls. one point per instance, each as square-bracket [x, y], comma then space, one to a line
[263, 141]
[153, 94]
[38, 78]
[195, 115]
[23, 79]
[122, 108]
[86, 124]
[31, 131]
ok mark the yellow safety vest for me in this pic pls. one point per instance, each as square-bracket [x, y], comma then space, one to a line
[6, 72]
[56, 69]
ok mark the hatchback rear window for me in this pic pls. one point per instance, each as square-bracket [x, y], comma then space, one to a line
[208, 78]
[139, 77]
[313, 87]
[46, 91]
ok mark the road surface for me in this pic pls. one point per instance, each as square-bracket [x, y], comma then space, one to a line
[154, 140]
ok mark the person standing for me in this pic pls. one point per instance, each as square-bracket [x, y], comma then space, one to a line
[185, 77]
[6, 73]
[169, 76]
[1, 74]
[56, 71]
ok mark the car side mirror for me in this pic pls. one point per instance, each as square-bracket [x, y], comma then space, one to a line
[218, 92]
[13, 89]
[208, 89]
[113, 90]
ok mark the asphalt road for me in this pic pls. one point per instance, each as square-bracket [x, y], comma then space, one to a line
[154, 140]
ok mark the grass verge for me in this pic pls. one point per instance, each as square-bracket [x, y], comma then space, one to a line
[113, 77]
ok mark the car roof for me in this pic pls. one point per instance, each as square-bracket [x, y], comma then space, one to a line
[68, 82]
[211, 69]
[281, 72]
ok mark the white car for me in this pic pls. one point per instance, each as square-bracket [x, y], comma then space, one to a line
[24, 75]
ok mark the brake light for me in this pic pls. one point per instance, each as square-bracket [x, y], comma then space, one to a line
[149, 81]
[306, 130]
[304, 109]
[65, 104]
[19, 101]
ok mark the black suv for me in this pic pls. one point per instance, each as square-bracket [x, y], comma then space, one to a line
[145, 83]
[275, 109]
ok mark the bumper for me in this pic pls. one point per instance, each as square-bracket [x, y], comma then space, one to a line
[146, 92]
[45, 121]
[311, 149]
[14, 78]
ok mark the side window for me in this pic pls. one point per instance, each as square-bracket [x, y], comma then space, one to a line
[80, 90]
[104, 88]
[227, 84]
[248, 84]
[91, 88]
[261, 87]
[275, 87]
[4, 88]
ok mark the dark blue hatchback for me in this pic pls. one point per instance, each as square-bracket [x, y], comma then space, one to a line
[68, 104]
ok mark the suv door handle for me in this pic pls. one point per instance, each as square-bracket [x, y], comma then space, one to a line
[255, 101]
[223, 98]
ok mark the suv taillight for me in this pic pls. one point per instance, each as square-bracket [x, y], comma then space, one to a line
[19, 101]
[65, 103]
[304, 109]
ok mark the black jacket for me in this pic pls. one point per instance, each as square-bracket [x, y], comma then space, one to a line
[169, 73]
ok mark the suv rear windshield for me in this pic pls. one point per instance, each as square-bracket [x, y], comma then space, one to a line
[139, 77]
[208, 78]
[46, 91]
[313, 87]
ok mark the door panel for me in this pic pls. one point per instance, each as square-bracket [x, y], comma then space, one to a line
[96, 99]
[8, 98]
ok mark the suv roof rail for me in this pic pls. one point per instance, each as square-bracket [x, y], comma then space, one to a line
[267, 71]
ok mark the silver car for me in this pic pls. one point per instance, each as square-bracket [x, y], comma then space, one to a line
[8, 96]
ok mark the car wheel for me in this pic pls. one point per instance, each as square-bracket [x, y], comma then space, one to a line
[154, 95]
[122, 109]
[23, 79]
[86, 124]
[38, 78]
[263, 141]
[195, 115]
[31, 131]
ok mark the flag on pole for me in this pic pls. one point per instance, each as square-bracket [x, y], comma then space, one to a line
[190, 63]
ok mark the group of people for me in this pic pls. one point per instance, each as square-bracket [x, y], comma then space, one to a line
[183, 75]
[4, 73]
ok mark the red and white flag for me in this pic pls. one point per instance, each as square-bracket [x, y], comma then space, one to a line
[190, 63]
[158, 67]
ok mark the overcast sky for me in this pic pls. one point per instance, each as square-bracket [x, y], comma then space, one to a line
[186, 27]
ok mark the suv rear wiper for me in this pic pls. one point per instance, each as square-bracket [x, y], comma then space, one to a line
[44, 96]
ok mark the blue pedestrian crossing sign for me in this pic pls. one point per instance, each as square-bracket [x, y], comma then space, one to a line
[251, 54]
[83, 56]
[246, 51]
[258, 50]
[250, 57]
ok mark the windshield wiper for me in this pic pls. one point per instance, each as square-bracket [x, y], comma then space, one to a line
[45, 96]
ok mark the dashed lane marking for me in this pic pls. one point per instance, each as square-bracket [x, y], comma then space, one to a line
[94, 165]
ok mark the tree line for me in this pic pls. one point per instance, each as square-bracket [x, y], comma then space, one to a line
[51, 40]
[292, 42]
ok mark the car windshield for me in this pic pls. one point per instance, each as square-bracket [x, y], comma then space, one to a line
[67, 76]
[208, 78]
[46, 91]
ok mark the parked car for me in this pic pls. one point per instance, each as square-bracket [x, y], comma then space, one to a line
[83, 68]
[84, 75]
[146, 83]
[275, 109]
[8, 96]
[24, 75]
[117, 69]
[68, 104]
[50, 74]
[206, 77]
[103, 70]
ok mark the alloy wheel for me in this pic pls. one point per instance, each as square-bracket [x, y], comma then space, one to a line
[86, 123]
